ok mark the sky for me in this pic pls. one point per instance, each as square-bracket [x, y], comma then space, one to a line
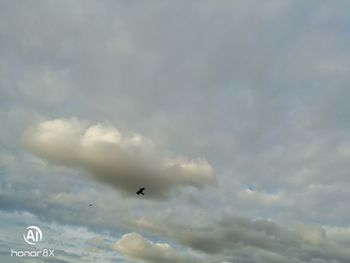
[233, 115]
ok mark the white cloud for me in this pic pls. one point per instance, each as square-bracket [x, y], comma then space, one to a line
[134, 246]
[262, 197]
[124, 162]
[66, 199]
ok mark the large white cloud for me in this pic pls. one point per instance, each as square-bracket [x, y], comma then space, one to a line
[124, 162]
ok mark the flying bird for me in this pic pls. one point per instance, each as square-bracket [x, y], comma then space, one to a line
[140, 191]
[90, 204]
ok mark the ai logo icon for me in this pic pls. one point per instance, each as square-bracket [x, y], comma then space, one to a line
[32, 235]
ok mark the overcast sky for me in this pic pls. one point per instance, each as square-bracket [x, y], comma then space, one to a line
[234, 115]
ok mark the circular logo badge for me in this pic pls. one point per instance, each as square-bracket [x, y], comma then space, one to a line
[32, 235]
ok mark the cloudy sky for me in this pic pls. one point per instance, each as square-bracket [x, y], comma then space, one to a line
[233, 114]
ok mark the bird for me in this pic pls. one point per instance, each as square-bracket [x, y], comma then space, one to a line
[90, 204]
[140, 191]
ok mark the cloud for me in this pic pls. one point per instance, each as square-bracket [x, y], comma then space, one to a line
[262, 93]
[71, 243]
[260, 197]
[134, 246]
[265, 239]
[69, 198]
[5, 160]
[124, 162]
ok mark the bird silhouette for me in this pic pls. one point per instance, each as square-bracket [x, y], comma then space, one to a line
[90, 204]
[140, 191]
